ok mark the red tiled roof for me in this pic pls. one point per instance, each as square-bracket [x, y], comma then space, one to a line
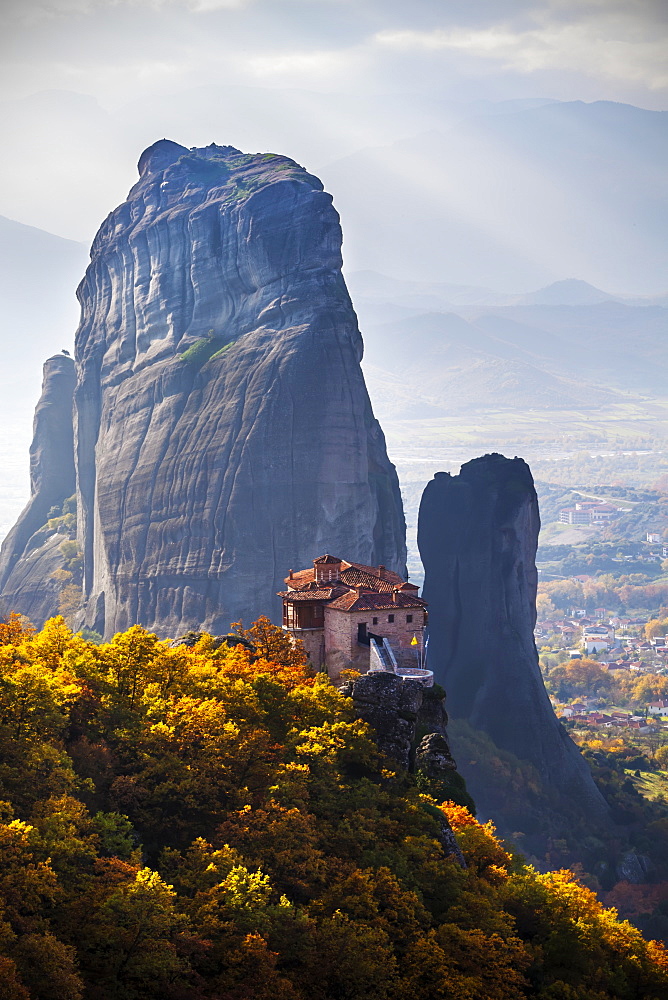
[357, 588]
[301, 577]
[309, 594]
[356, 577]
[314, 585]
[356, 600]
[355, 574]
[379, 572]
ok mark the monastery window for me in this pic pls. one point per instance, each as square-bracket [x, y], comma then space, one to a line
[375, 621]
[323, 575]
[390, 618]
[409, 619]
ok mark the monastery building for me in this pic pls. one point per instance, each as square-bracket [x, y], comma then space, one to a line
[351, 616]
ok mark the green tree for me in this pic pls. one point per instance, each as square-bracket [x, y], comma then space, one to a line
[130, 945]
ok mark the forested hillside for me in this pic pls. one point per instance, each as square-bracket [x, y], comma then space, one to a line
[211, 821]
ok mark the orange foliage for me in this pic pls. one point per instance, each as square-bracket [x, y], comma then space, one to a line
[247, 667]
[15, 629]
[480, 846]
[569, 897]
[215, 822]
[459, 817]
[631, 901]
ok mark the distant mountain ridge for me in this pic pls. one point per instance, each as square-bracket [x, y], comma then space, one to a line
[517, 200]
[373, 286]
[569, 292]
[38, 279]
[460, 348]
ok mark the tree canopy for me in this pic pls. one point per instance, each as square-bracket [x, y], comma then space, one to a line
[214, 823]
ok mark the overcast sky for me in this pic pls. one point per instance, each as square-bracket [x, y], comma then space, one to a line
[124, 72]
[116, 49]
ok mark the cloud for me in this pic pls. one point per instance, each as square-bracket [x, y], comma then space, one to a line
[117, 50]
[200, 6]
[485, 41]
[304, 68]
[602, 39]
[32, 12]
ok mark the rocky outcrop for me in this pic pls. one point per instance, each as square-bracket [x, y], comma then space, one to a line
[32, 588]
[397, 710]
[477, 536]
[190, 640]
[433, 756]
[29, 554]
[391, 706]
[223, 431]
[432, 717]
[634, 868]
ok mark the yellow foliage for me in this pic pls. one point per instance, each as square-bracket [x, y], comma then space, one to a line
[656, 627]
[459, 817]
[479, 844]
[246, 838]
[15, 629]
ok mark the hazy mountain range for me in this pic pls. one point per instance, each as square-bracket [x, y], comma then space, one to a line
[511, 196]
[515, 201]
[433, 349]
[92, 150]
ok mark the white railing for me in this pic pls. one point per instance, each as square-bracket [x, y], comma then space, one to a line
[426, 677]
[390, 654]
[382, 658]
[377, 659]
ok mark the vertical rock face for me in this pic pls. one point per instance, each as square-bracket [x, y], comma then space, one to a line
[477, 535]
[27, 560]
[391, 705]
[397, 710]
[223, 431]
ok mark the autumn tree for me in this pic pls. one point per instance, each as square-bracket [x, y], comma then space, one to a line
[15, 629]
[276, 645]
[656, 627]
[213, 821]
[578, 678]
[544, 607]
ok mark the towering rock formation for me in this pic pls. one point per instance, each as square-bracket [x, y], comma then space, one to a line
[28, 556]
[223, 431]
[477, 535]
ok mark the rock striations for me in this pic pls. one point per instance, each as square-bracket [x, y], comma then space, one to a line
[28, 557]
[477, 536]
[223, 430]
